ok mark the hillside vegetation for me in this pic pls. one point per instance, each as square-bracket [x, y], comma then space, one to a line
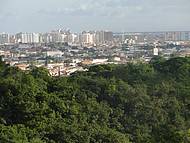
[137, 103]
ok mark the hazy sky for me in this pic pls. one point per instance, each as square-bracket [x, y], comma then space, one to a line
[78, 15]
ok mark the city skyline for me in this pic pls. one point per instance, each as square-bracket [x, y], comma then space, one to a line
[79, 15]
[92, 37]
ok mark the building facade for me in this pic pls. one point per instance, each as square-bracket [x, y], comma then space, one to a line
[4, 38]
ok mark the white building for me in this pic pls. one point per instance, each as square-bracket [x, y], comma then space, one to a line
[88, 38]
[155, 51]
[54, 53]
[36, 38]
[99, 61]
[73, 38]
[28, 37]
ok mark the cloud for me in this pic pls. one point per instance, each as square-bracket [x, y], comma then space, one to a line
[98, 8]
[66, 12]
[115, 14]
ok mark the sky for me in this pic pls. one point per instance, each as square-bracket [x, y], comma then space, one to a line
[79, 15]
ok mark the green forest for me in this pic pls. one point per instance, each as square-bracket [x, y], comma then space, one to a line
[132, 103]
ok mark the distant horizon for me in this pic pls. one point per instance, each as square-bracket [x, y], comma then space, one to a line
[115, 32]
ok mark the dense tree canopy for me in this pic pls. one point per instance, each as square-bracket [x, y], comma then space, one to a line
[140, 103]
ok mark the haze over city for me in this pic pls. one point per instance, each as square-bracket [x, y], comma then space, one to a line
[78, 15]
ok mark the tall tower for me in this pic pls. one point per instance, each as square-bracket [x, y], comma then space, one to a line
[155, 50]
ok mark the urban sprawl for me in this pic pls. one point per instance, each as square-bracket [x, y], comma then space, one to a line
[63, 52]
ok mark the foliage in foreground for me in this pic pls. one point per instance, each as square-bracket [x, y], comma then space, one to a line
[140, 103]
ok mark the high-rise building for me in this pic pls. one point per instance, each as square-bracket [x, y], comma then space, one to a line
[102, 37]
[47, 38]
[88, 38]
[185, 36]
[108, 36]
[28, 37]
[60, 35]
[73, 38]
[177, 36]
[99, 37]
[4, 38]
[35, 38]
[12, 39]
